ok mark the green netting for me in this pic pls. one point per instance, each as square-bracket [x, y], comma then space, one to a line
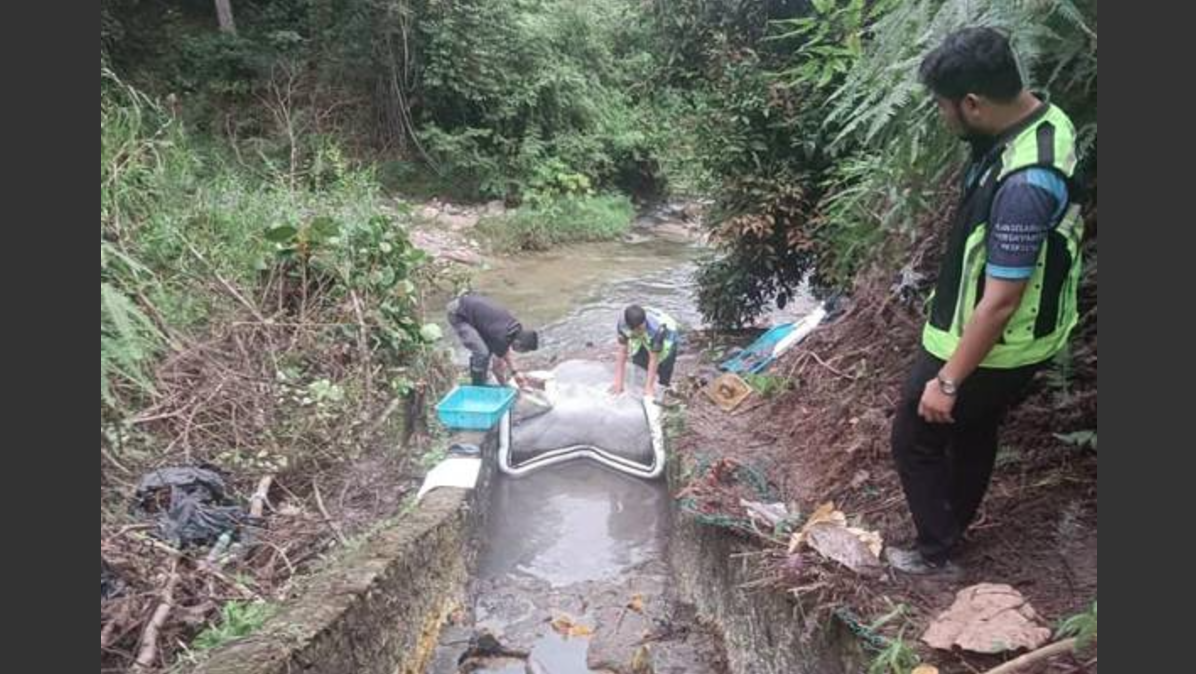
[748, 476]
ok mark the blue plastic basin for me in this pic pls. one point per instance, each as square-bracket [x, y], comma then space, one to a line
[475, 408]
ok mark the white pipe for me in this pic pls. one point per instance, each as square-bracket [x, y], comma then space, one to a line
[803, 328]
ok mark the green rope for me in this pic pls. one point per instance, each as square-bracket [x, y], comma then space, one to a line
[872, 639]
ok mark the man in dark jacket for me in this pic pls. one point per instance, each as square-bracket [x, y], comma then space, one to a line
[490, 332]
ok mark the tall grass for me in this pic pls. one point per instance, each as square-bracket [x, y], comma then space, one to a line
[563, 219]
[180, 219]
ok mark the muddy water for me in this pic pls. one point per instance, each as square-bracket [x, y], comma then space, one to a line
[573, 576]
[573, 296]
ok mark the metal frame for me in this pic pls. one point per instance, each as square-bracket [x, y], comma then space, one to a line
[652, 414]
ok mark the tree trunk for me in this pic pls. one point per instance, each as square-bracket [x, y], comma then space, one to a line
[224, 14]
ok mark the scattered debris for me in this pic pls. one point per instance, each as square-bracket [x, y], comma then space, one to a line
[908, 285]
[190, 506]
[716, 494]
[464, 449]
[486, 645]
[110, 584]
[860, 477]
[773, 343]
[641, 662]
[772, 515]
[728, 391]
[567, 627]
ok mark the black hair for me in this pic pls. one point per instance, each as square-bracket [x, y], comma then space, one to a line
[634, 316]
[973, 61]
[526, 340]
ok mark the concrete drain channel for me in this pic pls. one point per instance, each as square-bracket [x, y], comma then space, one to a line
[573, 578]
[573, 572]
[573, 568]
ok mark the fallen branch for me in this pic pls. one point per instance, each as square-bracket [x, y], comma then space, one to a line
[830, 367]
[108, 633]
[215, 573]
[378, 421]
[754, 406]
[336, 530]
[364, 348]
[257, 502]
[147, 654]
[227, 286]
[112, 459]
[1049, 651]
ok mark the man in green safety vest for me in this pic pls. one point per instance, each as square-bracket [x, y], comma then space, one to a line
[1005, 299]
[650, 337]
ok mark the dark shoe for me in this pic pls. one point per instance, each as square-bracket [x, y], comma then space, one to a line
[913, 563]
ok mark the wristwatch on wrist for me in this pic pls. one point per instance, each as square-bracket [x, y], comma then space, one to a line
[948, 387]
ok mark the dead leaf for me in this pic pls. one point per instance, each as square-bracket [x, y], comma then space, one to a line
[823, 513]
[567, 627]
[641, 661]
[871, 539]
[846, 547]
[925, 669]
[826, 514]
[987, 618]
[860, 478]
[637, 603]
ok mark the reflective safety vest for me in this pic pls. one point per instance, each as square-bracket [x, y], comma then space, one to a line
[1040, 326]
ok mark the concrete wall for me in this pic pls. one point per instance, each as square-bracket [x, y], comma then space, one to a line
[380, 609]
[763, 629]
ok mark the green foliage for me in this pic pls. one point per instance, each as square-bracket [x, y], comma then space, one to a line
[487, 92]
[768, 385]
[831, 39]
[368, 261]
[824, 148]
[559, 219]
[899, 152]
[763, 147]
[514, 89]
[128, 341]
[134, 150]
[1082, 439]
[237, 620]
[1060, 373]
[1082, 626]
[178, 221]
[898, 657]
[1009, 456]
[690, 37]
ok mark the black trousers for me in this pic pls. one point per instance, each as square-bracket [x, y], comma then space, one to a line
[664, 369]
[479, 353]
[945, 468]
